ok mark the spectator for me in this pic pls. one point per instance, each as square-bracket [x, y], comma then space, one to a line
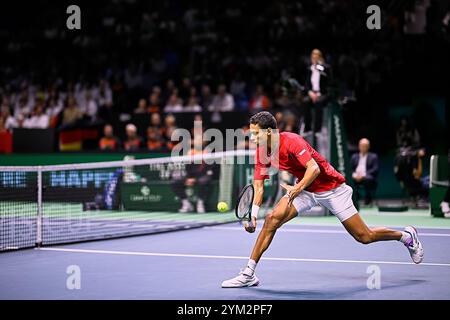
[142, 107]
[154, 139]
[9, 121]
[53, 111]
[290, 123]
[39, 120]
[71, 113]
[365, 170]
[170, 127]
[238, 90]
[185, 90]
[445, 207]
[133, 142]
[407, 135]
[192, 106]
[5, 138]
[223, 101]
[280, 120]
[109, 141]
[408, 171]
[169, 90]
[207, 97]
[90, 107]
[155, 122]
[200, 175]
[193, 93]
[154, 104]
[259, 101]
[174, 104]
[103, 96]
[22, 108]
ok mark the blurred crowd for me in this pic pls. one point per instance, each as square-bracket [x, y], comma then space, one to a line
[160, 58]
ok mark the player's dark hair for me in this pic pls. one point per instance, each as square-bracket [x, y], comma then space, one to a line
[264, 119]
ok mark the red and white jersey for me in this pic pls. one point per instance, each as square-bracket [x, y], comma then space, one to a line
[293, 154]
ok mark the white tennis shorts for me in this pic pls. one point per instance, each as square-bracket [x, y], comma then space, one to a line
[338, 201]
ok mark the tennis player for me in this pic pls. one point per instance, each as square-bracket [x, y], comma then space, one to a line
[317, 183]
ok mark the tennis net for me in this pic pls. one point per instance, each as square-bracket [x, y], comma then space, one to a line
[45, 205]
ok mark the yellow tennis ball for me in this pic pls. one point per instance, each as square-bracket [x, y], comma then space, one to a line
[222, 206]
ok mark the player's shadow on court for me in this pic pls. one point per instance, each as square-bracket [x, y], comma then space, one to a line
[336, 293]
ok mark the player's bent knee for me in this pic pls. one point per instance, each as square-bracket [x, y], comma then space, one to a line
[272, 221]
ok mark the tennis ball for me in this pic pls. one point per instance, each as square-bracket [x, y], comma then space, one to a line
[222, 206]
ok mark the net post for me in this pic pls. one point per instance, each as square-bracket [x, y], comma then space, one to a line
[39, 208]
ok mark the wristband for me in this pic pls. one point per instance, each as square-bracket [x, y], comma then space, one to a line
[255, 210]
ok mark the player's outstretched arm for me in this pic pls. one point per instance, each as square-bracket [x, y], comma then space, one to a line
[311, 173]
[258, 185]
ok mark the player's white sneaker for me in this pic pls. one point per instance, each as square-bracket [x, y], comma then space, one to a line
[242, 280]
[445, 209]
[414, 245]
[186, 206]
[200, 206]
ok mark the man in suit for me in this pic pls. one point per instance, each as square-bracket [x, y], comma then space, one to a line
[316, 87]
[365, 170]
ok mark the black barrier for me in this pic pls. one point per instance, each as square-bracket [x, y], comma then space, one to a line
[33, 140]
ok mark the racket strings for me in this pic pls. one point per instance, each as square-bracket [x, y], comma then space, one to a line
[245, 203]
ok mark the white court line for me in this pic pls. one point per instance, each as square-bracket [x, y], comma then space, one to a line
[425, 234]
[373, 225]
[179, 255]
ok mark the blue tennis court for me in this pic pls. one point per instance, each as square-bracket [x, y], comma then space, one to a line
[305, 261]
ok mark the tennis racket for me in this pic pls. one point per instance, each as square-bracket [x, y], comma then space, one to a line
[244, 204]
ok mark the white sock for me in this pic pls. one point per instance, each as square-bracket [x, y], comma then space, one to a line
[251, 266]
[406, 237]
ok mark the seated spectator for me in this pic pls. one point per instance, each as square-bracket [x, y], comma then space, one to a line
[201, 175]
[154, 104]
[169, 144]
[53, 111]
[142, 107]
[109, 141]
[169, 128]
[169, 90]
[408, 171]
[104, 98]
[365, 170]
[22, 108]
[90, 108]
[223, 101]
[5, 138]
[174, 104]
[407, 135]
[133, 142]
[155, 122]
[259, 101]
[206, 97]
[445, 204]
[193, 93]
[185, 89]
[192, 106]
[237, 88]
[71, 113]
[38, 120]
[9, 121]
[154, 139]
